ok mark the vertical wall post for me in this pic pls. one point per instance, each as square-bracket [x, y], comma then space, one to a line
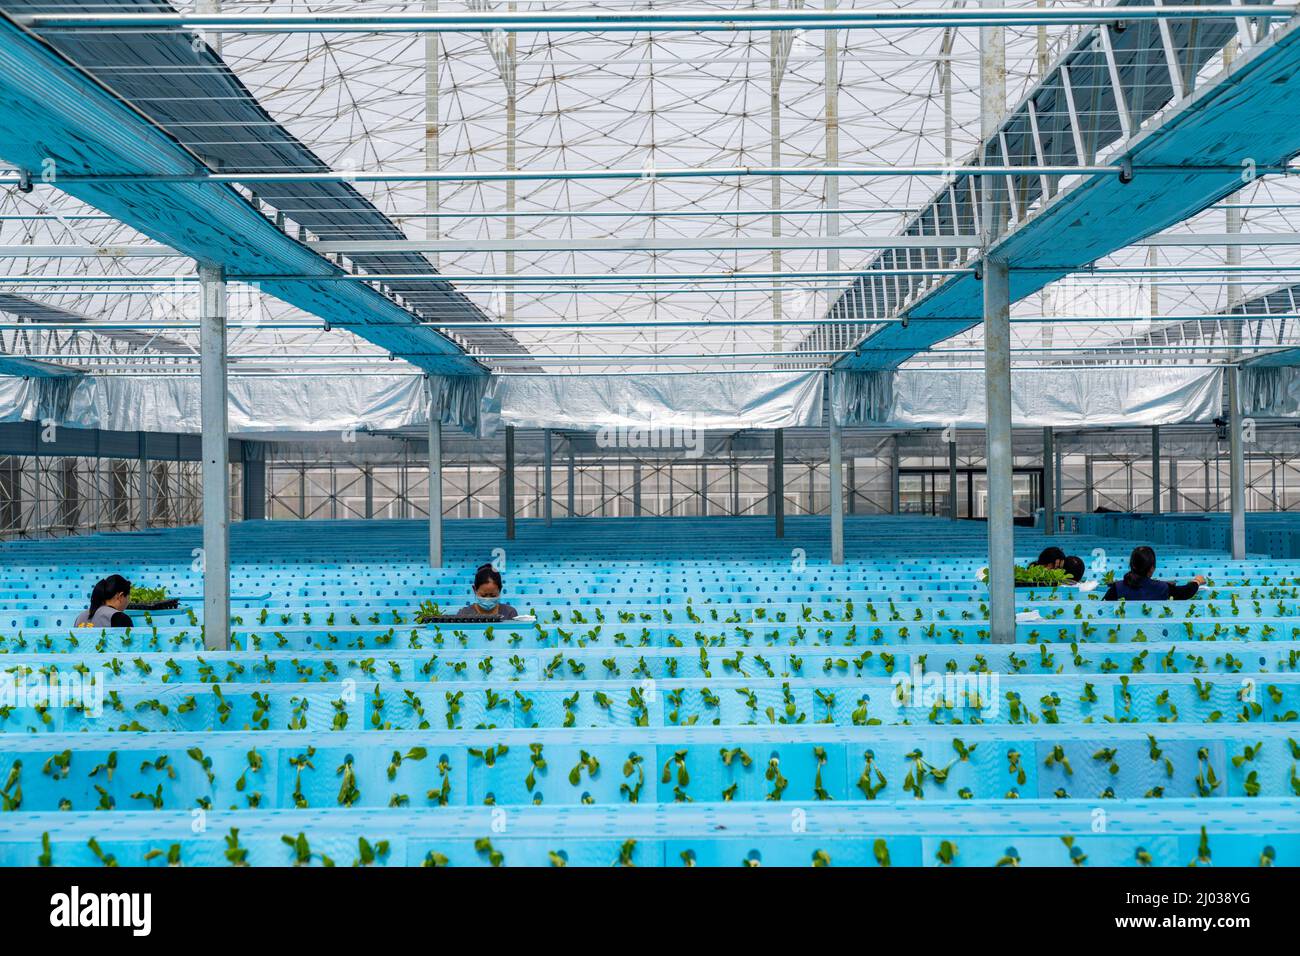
[893, 476]
[952, 477]
[837, 495]
[735, 484]
[502, 506]
[1155, 469]
[636, 489]
[1273, 464]
[1001, 524]
[144, 481]
[97, 516]
[368, 479]
[547, 464]
[572, 479]
[1173, 484]
[435, 484]
[404, 481]
[851, 485]
[778, 480]
[253, 461]
[216, 458]
[509, 498]
[38, 465]
[1057, 467]
[1236, 465]
[1089, 498]
[1049, 481]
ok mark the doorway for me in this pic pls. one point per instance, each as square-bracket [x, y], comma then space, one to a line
[925, 491]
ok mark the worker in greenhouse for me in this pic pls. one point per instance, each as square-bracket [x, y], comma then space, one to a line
[487, 596]
[1051, 558]
[1074, 567]
[108, 601]
[1138, 584]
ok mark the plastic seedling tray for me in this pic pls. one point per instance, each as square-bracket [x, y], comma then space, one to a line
[495, 620]
[449, 619]
[171, 604]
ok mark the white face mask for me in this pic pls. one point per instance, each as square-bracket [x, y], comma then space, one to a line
[487, 603]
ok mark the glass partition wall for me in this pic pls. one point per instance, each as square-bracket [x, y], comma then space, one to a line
[43, 493]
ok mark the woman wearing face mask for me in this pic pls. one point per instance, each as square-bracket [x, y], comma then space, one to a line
[487, 596]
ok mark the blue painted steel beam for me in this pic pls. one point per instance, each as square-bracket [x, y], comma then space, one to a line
[32, 368]
[1249, 113]
[59, 119]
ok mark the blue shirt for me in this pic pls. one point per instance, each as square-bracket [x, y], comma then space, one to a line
[1150, 589]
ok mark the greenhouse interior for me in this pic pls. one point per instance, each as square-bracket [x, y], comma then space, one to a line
[480, 434]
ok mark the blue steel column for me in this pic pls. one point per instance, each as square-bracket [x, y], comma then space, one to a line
[216, 458]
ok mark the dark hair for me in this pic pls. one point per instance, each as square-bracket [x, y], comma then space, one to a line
[486, 573]
[1141, 563]
[1074, 567]
[1049, 557]
[110, 587]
